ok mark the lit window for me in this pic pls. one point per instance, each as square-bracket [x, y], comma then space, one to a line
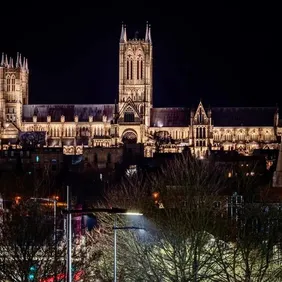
[37, 159]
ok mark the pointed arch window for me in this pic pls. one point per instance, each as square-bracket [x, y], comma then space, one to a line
[13, 83]
[129, 67]
[139, 67]
[200, 116]
[129, 115]
[8, 82]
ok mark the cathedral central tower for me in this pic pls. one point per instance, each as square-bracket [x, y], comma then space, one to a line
[135, 76]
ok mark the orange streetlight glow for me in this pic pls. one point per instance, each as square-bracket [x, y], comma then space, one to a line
[155, 195]
[17, 199]
[56, 197]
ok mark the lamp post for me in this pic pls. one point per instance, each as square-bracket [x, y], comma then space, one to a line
[69, 237]
[69, 212]
[54, 201]
[115, 237]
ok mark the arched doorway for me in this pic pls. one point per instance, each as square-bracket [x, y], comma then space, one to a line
[129, 137]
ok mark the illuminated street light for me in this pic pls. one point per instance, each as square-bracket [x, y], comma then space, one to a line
[115, 236]
[70, 211]
[17, 199]
[131, 213]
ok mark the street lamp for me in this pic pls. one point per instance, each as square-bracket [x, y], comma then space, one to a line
[70, 211]
[115, 236]
[53, 200]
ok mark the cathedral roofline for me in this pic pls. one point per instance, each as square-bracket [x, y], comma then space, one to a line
[61, 104]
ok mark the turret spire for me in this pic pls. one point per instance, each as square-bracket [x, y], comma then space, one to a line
[121, 33]
[17, 61]
[23, 65]
[26, 65]
[20, 60]
[2, 59]
[11, 63]
[148, 37]
[123, 36]
[6, 61]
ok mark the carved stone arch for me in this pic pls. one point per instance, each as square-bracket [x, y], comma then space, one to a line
[129, 64]
[140, 51]
[139, 55]
[129, 54]
[129, 136]
[129, 109]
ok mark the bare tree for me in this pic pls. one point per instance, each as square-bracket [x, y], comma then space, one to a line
[27, 244]
[191, 237]
[253, 251]
[177, 243]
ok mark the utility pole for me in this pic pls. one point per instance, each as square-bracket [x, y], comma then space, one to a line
[55, 239]
[69, 237]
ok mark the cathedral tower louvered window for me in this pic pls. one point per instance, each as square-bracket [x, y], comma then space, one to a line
[8, 83]
[129, 67]
[140, 67]
[13, 83]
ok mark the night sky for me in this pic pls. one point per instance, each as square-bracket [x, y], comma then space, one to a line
[224, 55]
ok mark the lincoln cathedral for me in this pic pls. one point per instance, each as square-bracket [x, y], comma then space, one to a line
[132, 118]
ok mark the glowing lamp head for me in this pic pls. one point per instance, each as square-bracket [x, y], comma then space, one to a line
[17, 199]
[134, 213]
[155, 195]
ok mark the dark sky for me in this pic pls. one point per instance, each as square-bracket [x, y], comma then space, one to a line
[227, 55]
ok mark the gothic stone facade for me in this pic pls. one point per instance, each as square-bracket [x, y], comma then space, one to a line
[133, 119]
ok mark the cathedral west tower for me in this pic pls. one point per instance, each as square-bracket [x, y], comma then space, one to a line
[135, 77]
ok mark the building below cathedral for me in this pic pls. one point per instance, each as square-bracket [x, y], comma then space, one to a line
[132, 119]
